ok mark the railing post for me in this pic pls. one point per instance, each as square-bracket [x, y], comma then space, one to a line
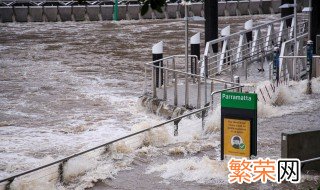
[212, 89]
[176, 127]
[175, 100]
[275, 69]
[309, 65]
[206, 62]
[60, 171]
[199, 93]
[145, 80]
[202, 119]
[236, 79]
[154, 83]
[205, 78]
[246, 68]
[186, 100]
[8, 185]
[165, 84]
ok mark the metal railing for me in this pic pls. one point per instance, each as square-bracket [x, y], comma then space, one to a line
[235, 49]
[296, 66]
[162, 74]
[61, 162]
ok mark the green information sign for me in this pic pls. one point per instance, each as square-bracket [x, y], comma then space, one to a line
[239, 100]
[238, 124]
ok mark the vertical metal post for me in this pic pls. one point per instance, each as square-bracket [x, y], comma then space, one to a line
[175, 101]
[165, 84]
[275, 69]
[60, 171]
[231, 69]
[154, 83]
[186, 54]
[8, 185]
[246, 68]
[295, 41]
[212, 89]
[202, 119]
[236, 79]
[176, 127]
[186, 100]
[186, 34]
[270, 69]
[145, 79]
[205, 78]
[199, 93]
[309, 65]
[309, 24]
[160, 75]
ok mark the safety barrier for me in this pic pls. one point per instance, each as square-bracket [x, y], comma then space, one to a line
[255, 44]
[173, 73]
[54, 172]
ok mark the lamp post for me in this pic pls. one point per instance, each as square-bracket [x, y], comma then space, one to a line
[295, 41]
[186, 18]
[186, 32]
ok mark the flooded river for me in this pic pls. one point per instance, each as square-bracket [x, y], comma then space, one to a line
[66, 87]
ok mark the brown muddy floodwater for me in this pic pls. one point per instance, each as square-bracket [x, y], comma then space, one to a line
[68, 86]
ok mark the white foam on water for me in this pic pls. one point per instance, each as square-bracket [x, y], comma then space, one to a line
[315, 85]
[213, 123]
[46, 178]
[286, 99]
[200, 170]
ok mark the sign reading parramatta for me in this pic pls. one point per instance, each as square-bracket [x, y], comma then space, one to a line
[238, 124]
[236, 97]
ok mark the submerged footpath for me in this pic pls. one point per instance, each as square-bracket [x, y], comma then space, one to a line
[196, 165]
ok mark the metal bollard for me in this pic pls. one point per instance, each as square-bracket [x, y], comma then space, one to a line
[195, 50]
[275, 74]
[157, 53]
[248, 26]
[309, 65]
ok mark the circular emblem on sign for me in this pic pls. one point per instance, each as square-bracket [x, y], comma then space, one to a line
[237, 142]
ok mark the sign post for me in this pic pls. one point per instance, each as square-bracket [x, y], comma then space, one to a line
[238, 124]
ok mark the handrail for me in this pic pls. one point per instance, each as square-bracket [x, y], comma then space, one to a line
[215, 41]
[299, 56]
[190, 74]
[310, 160]
[10, 179]
[231, 88]
[169, 57]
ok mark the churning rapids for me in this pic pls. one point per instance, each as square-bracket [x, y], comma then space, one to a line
[67, 87]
